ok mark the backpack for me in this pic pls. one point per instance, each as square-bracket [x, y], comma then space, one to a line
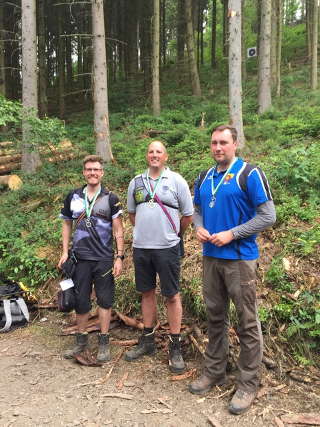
[13, 309]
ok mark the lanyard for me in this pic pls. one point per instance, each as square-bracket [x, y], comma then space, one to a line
[89, 206]
[215, 189]
[152, 193]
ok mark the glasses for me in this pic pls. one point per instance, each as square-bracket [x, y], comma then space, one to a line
[95, 170]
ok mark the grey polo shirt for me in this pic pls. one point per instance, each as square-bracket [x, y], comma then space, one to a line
[153, 229]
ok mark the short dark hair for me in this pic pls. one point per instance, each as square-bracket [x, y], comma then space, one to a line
[92, 158]
[232, 130]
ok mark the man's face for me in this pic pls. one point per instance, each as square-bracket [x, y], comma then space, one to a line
[93, 173]
[156, 155]
[223, 147]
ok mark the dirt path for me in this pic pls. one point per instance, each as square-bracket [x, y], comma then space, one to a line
[40, 388]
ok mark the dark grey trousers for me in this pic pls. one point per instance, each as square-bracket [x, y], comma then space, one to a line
[236, 280]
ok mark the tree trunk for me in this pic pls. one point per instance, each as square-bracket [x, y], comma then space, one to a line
[225, 28]
[2, 59]
[163, 33]
[30, 157]
[264, 78]
[100, 89]
[195, 81]
[235, 84]
[146, 46]
[61, 63]
[214, 34]
[155, 58]
[279, 46]
[131, 38]
[273, 42]
[243, 43]
[314, 44]
[181, 39]
[43, 101]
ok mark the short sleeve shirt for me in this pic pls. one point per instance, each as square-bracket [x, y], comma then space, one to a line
[153, 229]
[93, 242]
[232, 206]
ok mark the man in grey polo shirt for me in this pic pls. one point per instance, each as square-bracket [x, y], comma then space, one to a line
[160, 209]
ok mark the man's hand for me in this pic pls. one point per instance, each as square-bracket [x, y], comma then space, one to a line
[222, 238]
[203, 235]
[117, 267]
[63, 259]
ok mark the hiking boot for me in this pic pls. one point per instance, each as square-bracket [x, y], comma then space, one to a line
[146, 345]
[203, 384]
[176, 362]
[104, 348]
[241, 401]
[81, 344]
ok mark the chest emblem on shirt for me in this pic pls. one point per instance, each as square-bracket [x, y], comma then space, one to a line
[228, 178]
[139, 196]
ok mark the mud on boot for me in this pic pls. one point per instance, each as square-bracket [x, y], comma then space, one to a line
[176, 362]
[80, 345]
[104, 348]
[146, 345]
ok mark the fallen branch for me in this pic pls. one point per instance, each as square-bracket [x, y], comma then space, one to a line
[187, 374]
[198, 346]
[126, 343]
[278, 422]
[107, 376]
[213, 421]
[119, 396]
[129, 321]
[310, 419]
[124, 378]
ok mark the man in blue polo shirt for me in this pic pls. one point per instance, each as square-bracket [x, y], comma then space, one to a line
[233, 203]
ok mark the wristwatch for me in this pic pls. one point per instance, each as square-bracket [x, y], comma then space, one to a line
[121, 257]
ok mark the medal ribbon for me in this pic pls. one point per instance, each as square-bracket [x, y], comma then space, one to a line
[149, 188]
[89, 206]
[215, 189]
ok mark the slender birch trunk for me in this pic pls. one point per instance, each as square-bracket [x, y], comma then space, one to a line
[30, 157]
[235, 83]
[155, 58]
[264, 85]
[314, 45]
[100, 87]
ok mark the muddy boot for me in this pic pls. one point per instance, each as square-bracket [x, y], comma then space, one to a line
[176, 362]
[104, 348]
[146, 345]
[81, 344]
[241, 401]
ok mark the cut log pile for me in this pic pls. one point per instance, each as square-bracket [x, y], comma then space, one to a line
[10, 160]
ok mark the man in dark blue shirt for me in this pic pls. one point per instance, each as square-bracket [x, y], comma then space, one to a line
[233, 203]
[95, 213]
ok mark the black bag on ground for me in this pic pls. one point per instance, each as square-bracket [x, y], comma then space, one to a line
[13, 309]
[66, 300]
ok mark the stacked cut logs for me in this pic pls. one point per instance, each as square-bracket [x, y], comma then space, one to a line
[10, 160]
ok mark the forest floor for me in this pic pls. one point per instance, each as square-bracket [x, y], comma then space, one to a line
[40, 388]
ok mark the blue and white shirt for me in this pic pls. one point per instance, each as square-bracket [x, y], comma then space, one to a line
[233, 206]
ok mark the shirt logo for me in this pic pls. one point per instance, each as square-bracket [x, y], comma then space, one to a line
[139, 196]
[228, 178]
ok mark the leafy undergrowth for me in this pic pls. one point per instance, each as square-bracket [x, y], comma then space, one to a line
[283, 142]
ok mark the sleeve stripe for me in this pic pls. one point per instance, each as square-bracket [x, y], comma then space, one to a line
[210, 170]
[264, 182]
[239, 174]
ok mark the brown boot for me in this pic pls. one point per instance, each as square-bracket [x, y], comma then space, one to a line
[241, 401]
[203, 384]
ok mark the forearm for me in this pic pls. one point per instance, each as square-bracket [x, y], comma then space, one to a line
[185, 221]
[197, 218]
[66, 235]
[118, 235]
[132, 218]
[265, 217]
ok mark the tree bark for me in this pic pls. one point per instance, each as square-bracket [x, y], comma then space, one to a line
[155, 58]
[235, 83]
[61, 63]
[181, 39]
[146, 45]
[100, 89]
[195, 81]
[214, 34]
[2, 61]
[314, 44]
[225, 27]
[243, 43]
[30, 157]
[163, 32]
[264, 78]
[279, 47]
[43, 101]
